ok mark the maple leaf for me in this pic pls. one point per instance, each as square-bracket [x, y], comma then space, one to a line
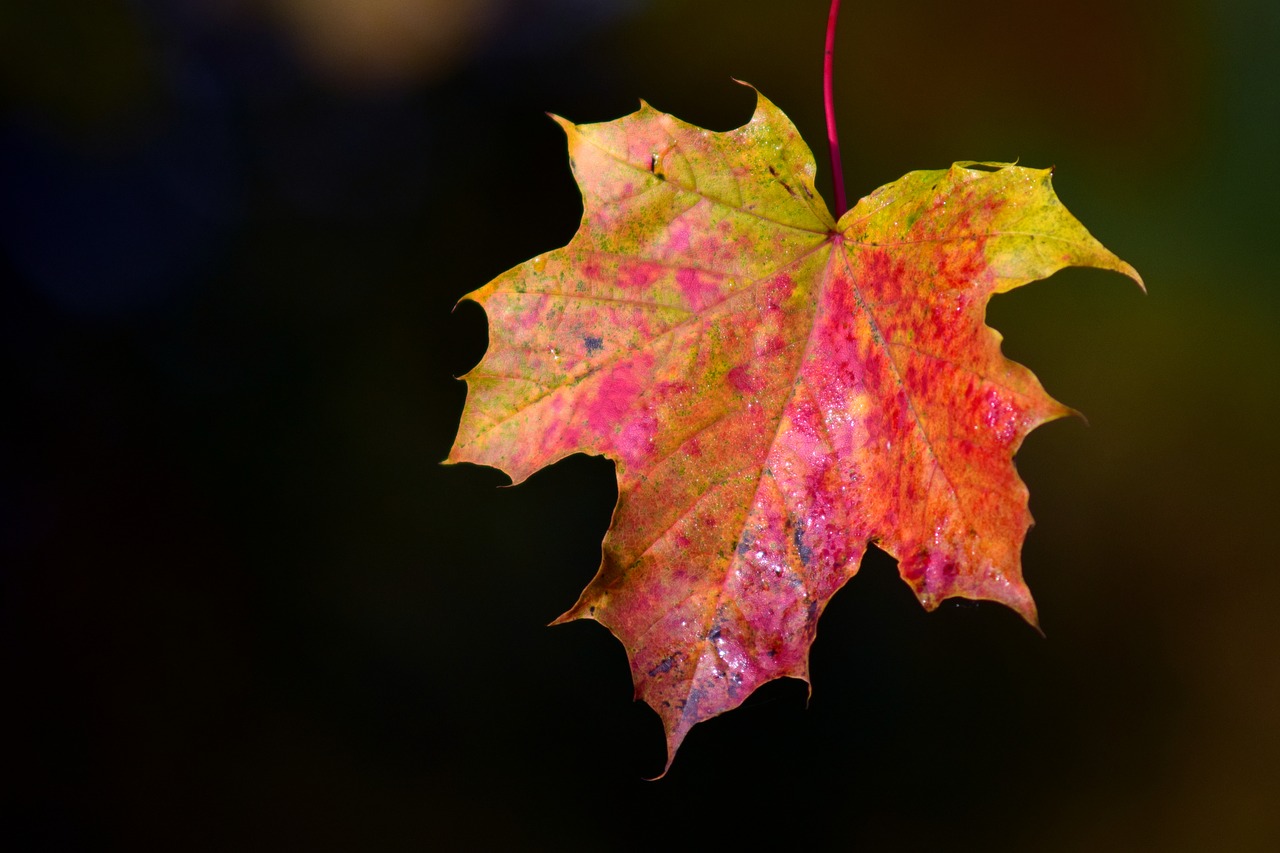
[776, 389]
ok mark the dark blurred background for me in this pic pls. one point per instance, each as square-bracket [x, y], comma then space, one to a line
[242, 606]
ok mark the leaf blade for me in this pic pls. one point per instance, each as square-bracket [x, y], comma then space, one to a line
[775, 388]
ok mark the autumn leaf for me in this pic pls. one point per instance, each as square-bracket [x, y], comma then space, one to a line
[776, 389]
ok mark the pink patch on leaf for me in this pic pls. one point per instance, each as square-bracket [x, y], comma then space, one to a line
[635, 276]
[698, 289]
[779, 290]
[678, 241]
[635, 440]
[617, 395]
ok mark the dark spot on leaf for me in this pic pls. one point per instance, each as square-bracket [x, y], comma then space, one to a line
[804, 551]
[689, 706]
[773, 171]
[593, 344]
[714, 635]
[665, 666]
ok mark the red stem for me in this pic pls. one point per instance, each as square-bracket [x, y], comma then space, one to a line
[833, 141]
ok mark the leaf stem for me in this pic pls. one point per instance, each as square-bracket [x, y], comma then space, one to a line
[833, 141]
